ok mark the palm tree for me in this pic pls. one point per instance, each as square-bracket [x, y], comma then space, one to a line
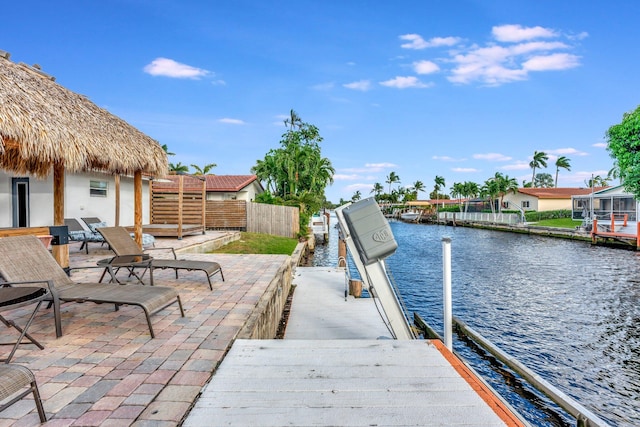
[417, 187]
[539, 161]
[564, 163]
[356, 196]
[377, 190]
[178, 168]
[293, 120]
[614, 172]
[439, 183]
[166, 150]
[456, 192]
[470, 190]
[392, 178]
[204, 170]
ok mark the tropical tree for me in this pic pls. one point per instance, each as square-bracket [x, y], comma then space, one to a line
[623, 141]
[543, 180]
[417, 187]
[564, 163]
[297, 171]
[166, 150]
[203, 170]
[614, 172]
[470, 190]
[597, 181]
[457, 191]
[439, 183]
[490, 190]
[539, 161]
[356, 196]
[377, 190]
[178, 168]
[392, 178]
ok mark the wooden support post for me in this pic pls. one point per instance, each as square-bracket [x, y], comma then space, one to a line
[180, 196]
[137, 208]
[638, 235]
[60, 252]
[342, 253]
[594, 229]
[117, 221]
[204, 204]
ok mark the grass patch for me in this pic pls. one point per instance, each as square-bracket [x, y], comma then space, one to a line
[559, 223]
[258, 243]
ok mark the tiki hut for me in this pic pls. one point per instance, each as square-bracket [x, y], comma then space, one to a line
[45, 128]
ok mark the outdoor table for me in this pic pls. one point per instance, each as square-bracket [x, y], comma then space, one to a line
[14, 297]
[130, 263]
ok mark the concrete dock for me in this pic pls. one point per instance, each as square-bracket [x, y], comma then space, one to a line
[337, 366]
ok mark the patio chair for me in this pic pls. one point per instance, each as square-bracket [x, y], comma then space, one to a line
[25, 261]
[77, 233]
[13, 378]
[94, 223]
[122, 244]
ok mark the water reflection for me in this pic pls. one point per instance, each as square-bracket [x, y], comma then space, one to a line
[566, 309]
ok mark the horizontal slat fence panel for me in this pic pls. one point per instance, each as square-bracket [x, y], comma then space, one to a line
[164, 208]
[273, 219]
[227, 214]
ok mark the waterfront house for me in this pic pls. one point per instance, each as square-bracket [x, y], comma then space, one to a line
[605, 203]
[542, 199]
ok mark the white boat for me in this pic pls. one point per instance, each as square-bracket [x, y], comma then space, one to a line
[410, 216]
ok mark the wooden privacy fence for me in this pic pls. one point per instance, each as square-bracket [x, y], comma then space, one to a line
[224, 214]
[273, 219]
[230, 214]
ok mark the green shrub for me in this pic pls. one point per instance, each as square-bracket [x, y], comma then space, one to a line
[535, 216]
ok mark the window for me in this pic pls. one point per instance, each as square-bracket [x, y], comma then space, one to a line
[525, 204]
[98, 188]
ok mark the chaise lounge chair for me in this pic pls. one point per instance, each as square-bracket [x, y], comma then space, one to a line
[25, 261]
[122, 244]
[13, 378]
[77, 233]
[94, 223]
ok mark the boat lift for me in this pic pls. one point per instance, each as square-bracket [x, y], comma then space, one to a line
[370, 240]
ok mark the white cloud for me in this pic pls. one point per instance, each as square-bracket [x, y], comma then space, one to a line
[556, 61]
[417, 42]
[447, 159]
[425, 67]
[170, 68]
[492, 157]
[518, 33]
[231, 121]
[600, 145]
[362, 85]
[363, 188]
[567, 151]
[520, 165]
[465, 170]
[381, 165]
[405, 82]
[345, 177]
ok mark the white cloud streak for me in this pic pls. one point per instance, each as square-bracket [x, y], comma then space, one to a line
[400, 82]
[170, 68]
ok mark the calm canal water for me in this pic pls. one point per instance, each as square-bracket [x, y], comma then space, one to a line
[567, 310]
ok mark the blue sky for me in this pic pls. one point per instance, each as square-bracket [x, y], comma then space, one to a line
[460, 89]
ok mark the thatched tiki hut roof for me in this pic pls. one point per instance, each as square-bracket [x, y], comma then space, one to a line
[45, 127]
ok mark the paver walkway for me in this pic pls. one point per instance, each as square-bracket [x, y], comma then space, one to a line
[107, 371]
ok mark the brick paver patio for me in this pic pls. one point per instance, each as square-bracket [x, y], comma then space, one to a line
[107, 371]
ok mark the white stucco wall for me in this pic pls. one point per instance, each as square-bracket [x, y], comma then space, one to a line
[518, 198]
[248, 193]
[78, 201]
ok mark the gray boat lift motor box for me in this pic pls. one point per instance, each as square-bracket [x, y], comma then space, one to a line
[369, 230]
